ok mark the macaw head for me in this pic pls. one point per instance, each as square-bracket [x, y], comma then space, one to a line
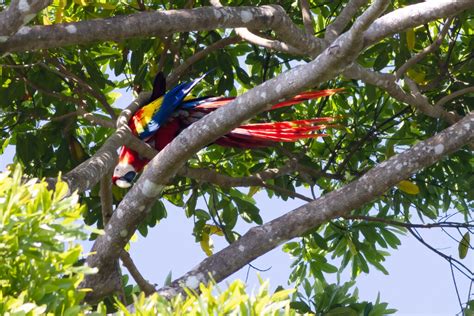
[124, 174]
[130, 163]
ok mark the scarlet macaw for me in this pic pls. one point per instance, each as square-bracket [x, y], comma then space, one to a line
[166, 115]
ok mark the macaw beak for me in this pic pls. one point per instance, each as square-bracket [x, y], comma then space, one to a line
[125, 181]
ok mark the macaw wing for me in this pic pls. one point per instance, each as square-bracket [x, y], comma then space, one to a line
[147, 120]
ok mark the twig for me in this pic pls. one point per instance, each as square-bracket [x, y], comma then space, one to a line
[453, 95]
[389, 84]
[20, 66]
[166, 47]
[431, 48]
[287, 192]
[64, 116]
[407, 225]
[65, 73]
[424, 105]
[144, 285]
[455, 285]
[343, 19]
[178, 71]
[467, 273]
[252, 38]
[94, 119]
[280, 46]
[307, 17]
[106, 201]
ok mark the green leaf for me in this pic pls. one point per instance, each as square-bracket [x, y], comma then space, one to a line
[464, 245]
[300, 306]
[410, 33]
[136, 61]
[381, 61]
[342, 311]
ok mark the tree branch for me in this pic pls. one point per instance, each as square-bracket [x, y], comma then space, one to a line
[412, 16]
[65, 73]
[19, 13]
[150, 23]
[307, 17]
[107, 210]
[453, 95]
[371, 185]
[172, 79]
[144, 285]
[252, 38]
[342, 20]
[276, 45]
[88, 173]
[431, 48]
[407, 225]
[388, 83]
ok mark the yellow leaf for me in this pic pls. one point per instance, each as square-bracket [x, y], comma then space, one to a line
[418, 77]
[410, 39]
[206, 244]
[82, 3]
[58, 15]
[105, 6]
[134, 238]
[408, 187]
[253, 190]
[46, 20]
[215, 230]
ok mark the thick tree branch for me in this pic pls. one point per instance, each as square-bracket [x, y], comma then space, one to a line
[142, 195]
[18, 13]
[252, 38]
[412, 16]
[371, 185]
[160, 22]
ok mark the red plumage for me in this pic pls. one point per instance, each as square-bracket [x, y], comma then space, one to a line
[252, 135]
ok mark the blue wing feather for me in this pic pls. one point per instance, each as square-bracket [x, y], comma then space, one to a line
[172, 100]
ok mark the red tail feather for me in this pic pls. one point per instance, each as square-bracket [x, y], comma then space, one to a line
[305, 96]
[214, 103]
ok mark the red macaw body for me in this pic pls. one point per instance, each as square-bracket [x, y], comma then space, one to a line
[158, 125]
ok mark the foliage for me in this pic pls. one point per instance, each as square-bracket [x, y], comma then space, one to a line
[40, 273]
[36, 94]
[322, 298]
[214, 301]
[38, 247]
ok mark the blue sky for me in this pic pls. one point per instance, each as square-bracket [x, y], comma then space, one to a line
[420, 282]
